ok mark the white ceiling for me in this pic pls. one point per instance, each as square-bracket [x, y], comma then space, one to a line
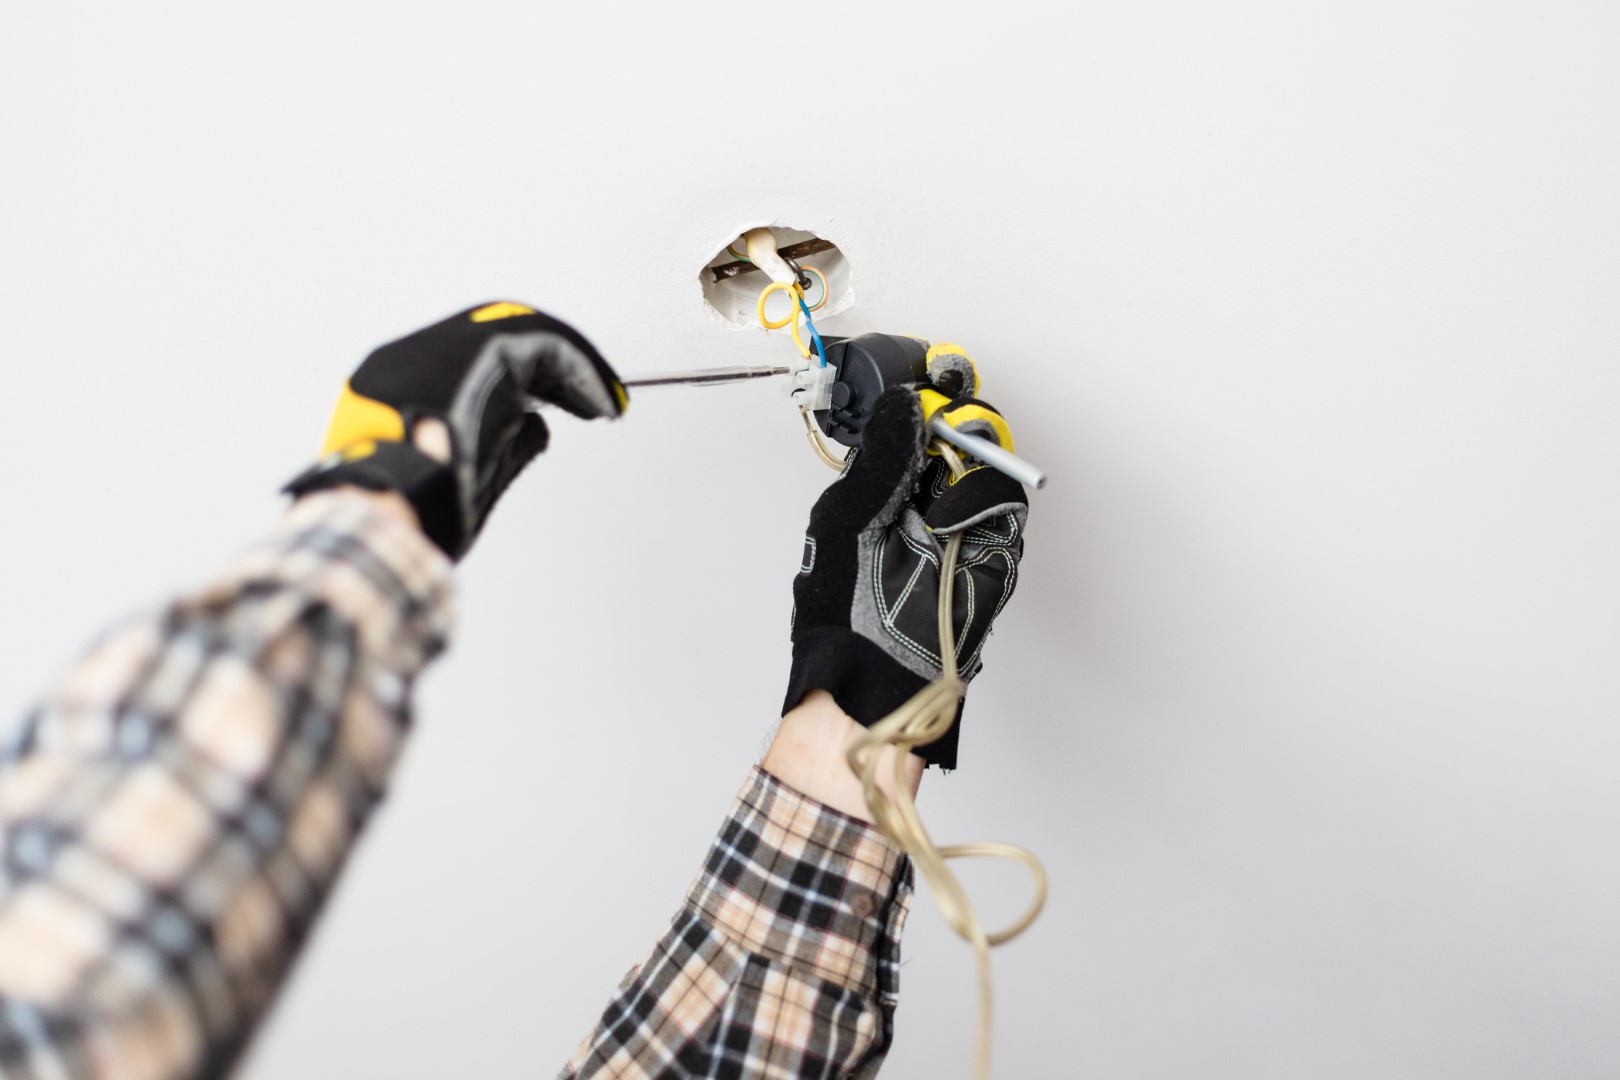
[1309, 696]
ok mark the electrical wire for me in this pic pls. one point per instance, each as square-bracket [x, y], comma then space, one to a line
[817, 444]
[825, 291]
[821, 349]
[926, 717]
[922, 720]
[792, 318]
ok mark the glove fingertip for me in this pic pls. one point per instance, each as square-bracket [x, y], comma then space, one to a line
[953, 371]
[971, 416]
[892, 443]
[981, 494]
[570, 372]
[897, 421]
[532, 438]
[884, 467]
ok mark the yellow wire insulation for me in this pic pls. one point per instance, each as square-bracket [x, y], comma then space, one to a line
[792, 320]
[795, 294]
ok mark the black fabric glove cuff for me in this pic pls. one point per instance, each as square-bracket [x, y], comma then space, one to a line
[428, 485]
[864, 681]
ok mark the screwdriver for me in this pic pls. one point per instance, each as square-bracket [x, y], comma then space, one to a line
[718, 376]
[986, 451]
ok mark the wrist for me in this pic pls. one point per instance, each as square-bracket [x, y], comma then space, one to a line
[810, 754]
[387, 503]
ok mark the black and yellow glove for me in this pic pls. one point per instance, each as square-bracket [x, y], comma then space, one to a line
[474, 372]
[865, 622]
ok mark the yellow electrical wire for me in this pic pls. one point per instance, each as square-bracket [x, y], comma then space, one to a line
[792, 319]
[795, 294]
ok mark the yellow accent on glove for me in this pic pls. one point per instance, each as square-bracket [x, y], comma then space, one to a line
[505, 309]
[932, 402]
[970, 414]
[357, 418]
[965, 415]
[359, 451]
[946, 349]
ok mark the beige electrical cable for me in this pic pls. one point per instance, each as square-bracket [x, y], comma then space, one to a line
[816, 444]
[926, 717]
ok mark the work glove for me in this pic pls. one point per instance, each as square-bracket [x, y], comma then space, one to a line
[476, 372]
[866, 616]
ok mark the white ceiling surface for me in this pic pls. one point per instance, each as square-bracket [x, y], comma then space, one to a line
[1309, 696]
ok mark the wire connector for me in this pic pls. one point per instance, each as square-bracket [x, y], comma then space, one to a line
[810, 383]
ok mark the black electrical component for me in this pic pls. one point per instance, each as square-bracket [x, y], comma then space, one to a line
[867, 366]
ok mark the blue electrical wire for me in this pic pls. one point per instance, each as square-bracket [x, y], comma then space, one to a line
[821, 350]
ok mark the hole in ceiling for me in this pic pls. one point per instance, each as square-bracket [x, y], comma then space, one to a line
[732, 284]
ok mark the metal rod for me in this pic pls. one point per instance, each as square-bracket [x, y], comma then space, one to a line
[989, 453]
[705, 376]
[793, 251]
[983, 449]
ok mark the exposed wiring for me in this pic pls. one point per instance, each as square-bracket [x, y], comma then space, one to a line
[819, 445]
[762, 242]
[792, 318]
[825, 291]
[815, 335]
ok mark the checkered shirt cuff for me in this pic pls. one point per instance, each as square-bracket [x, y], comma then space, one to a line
[808, 886]
[783, 962]
[174, 812]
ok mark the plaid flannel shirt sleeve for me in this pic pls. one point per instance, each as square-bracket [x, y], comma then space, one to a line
[782, 964]
[174, 812]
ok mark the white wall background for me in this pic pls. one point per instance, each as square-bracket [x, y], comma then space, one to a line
[1310, 696]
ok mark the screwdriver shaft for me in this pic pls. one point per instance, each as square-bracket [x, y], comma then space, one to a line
[983, 449]
[718, 376]
[990, 453]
